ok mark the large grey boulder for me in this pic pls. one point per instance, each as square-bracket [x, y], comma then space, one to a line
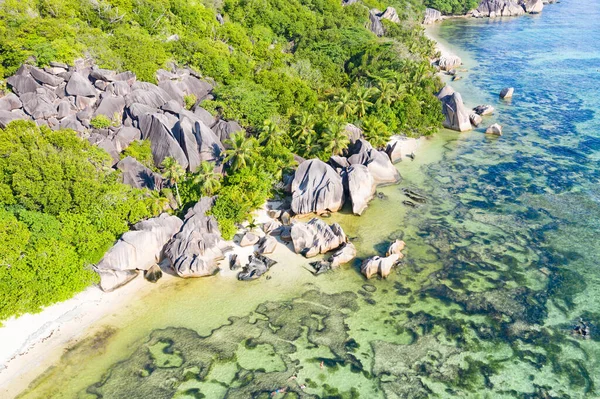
[22, 84]
[316, 188]
[453, 108]
[267, 245]
[137, 175]
[118, 88]
[205, 116]
[498, 8]
[494, 129]
[507, 92]
[38, 106]
[7, 117]
[379, 265]
[80, 86]
[155, 127]
[431, 16]
[484, 110]
[71, 122]
[184, 133]
[147, 94]
[344, 254]
[353, 132]
[375, 24]
[475, 119]
[316, 237]
[533, 6]
[196, 250]
[377, 162]
[138, 249]
[10, 102]
[111, 107]
[109, 146]
[449, 62]
[125, 136]
[361, 187]
[105, 75]
[399, 147]
[45, 78]
[224, 129]
[390, 14]
[209, 145]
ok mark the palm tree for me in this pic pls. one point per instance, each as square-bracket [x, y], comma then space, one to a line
[335, 140]
[271, 135]
[157, 203]
[240, 150]
[375, 131]
[344, 106]
[207, 179]
[303, 132]
[173, 172]
[362, 100]
[388, 93]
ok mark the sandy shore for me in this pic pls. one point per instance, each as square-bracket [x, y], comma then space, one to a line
[32, 341]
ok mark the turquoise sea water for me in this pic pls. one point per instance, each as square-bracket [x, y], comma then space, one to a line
[502, 262]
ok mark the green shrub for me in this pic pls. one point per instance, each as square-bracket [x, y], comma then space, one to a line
[100, 122]
[189, 100]
[62, 208]
[141, 150]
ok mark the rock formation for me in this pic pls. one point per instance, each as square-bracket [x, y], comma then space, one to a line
[378, 265]
[396, 248]
[138, 249]
[400, 147]
[484, 110]
[345, 254]
[256, 267]
[267, 245]
[475, 119]
[449, 62]
[375, 17]
[71, 97]
[494, 129]
[316, 188]
[507, 92]
[195, 250]
[377, 162]
[316, 237]
[249, 239]
[137, 175]
[431, 16]
[498, 8]
[457, 115]
[361, 187]
[533, 6]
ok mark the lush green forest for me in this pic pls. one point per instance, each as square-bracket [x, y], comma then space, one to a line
[292, 72]
[452, 7]
[63, 208]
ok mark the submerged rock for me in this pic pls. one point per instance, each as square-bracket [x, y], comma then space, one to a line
[195, 250]
[484, 110]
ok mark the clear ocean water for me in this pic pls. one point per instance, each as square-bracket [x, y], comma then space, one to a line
[502, 262]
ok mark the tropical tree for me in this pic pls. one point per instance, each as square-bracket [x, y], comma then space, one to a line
[157, 202]
[334, 139]
[375, 131]
[207, 179]
[362, 100]
[303, 132]
[174, 173]
[344, 105]
[387, 93]
[240, 150]
[271, 135]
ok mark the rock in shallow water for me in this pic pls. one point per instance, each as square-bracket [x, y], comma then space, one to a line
[457, 115]
[494, 129]
[316, 237]
[507, 92]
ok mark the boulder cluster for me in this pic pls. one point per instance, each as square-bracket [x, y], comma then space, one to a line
[376, 16]
[495, 8]
[76, 97]
[320, 187]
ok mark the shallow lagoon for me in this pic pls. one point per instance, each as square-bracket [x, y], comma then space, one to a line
[502, 261]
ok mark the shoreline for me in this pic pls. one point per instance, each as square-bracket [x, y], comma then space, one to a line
[34, 342]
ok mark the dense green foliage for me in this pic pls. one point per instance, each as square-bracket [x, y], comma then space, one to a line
[452, 7]
[62, 208]
[141, 150]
